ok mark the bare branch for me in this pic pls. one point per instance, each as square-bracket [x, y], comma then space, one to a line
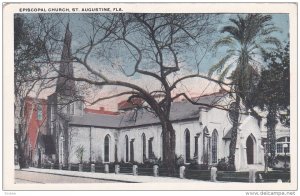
[199, 76]
[113, 96]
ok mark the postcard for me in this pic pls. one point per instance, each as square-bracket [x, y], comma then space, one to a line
[150, 96]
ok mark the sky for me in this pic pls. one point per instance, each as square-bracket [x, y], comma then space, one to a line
[194, 87]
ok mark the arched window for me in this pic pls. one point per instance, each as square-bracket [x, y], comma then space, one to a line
[132, 150]
[150, 148]
[144, 146]
[250, 149]
[279, 145]
[205, 143]
[61, 146]
[106, 148]
[187, 146]
[214, 146]
[126, 149]
[161, 146]
[39, 112]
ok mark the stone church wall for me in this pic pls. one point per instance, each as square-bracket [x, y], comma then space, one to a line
[200, 132]
[92, 141]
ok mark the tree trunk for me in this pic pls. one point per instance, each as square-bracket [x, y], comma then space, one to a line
[235, 125]
[169, 147]
[271, 135]
[21, 153]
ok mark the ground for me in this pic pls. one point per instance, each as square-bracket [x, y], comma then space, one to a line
[34, 177]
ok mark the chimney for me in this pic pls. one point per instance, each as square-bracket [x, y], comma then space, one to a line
[203, 116]
[222, 90]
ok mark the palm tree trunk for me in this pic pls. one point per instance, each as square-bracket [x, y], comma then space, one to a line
[271, 135]
[235, 125]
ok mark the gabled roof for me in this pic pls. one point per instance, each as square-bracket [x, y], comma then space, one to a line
[228, 135]
[98, 120]
[180, 111]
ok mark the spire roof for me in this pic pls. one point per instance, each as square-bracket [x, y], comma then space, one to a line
[65, 86]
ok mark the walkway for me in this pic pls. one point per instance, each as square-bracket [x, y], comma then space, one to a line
[115, 177]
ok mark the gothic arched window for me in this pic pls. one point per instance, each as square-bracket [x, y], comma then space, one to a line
[144, 146]
[187, 145]
[106, 148]
[214, 146]
[161, 147]
[126, 149]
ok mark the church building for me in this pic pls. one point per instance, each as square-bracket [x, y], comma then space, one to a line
[135, 135]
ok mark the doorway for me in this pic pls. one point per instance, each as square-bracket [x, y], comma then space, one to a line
[250, 150]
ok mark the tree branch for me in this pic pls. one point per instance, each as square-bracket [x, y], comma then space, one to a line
[112, 96]
[200, 76]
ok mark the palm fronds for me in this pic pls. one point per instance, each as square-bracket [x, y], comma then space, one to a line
[219, 66]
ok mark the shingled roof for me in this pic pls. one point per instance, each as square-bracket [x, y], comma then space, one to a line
[180, 111]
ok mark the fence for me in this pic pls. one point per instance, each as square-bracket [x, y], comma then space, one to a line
[233, 176]
[198, 174]
[182, 172]
[273, 176]
[126, 170]
[145, 171]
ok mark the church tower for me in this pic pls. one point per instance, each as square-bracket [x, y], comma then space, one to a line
[63, 103]
[65, 86]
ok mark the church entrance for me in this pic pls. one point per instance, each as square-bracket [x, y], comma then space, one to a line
[250, 150]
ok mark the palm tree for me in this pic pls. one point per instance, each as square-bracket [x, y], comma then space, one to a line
[247, 39]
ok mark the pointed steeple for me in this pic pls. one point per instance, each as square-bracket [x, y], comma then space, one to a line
[66, 86]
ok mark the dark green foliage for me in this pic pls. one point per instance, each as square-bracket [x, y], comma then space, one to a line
[279, 162]
[273, 176]
[179, 161]
[283, 157]
[124, 164]
[223, 165]
[274, 86]
[79, 153]
[149, 163]
[197, 166]
[28, 47]
[273, 94]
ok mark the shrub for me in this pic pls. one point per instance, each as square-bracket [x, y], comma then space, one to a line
[196, 166]
[179, 160]
[123, 164]
[282, 158]
[223, 165]
[149, 163]
[280, 161]
[79, 153]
